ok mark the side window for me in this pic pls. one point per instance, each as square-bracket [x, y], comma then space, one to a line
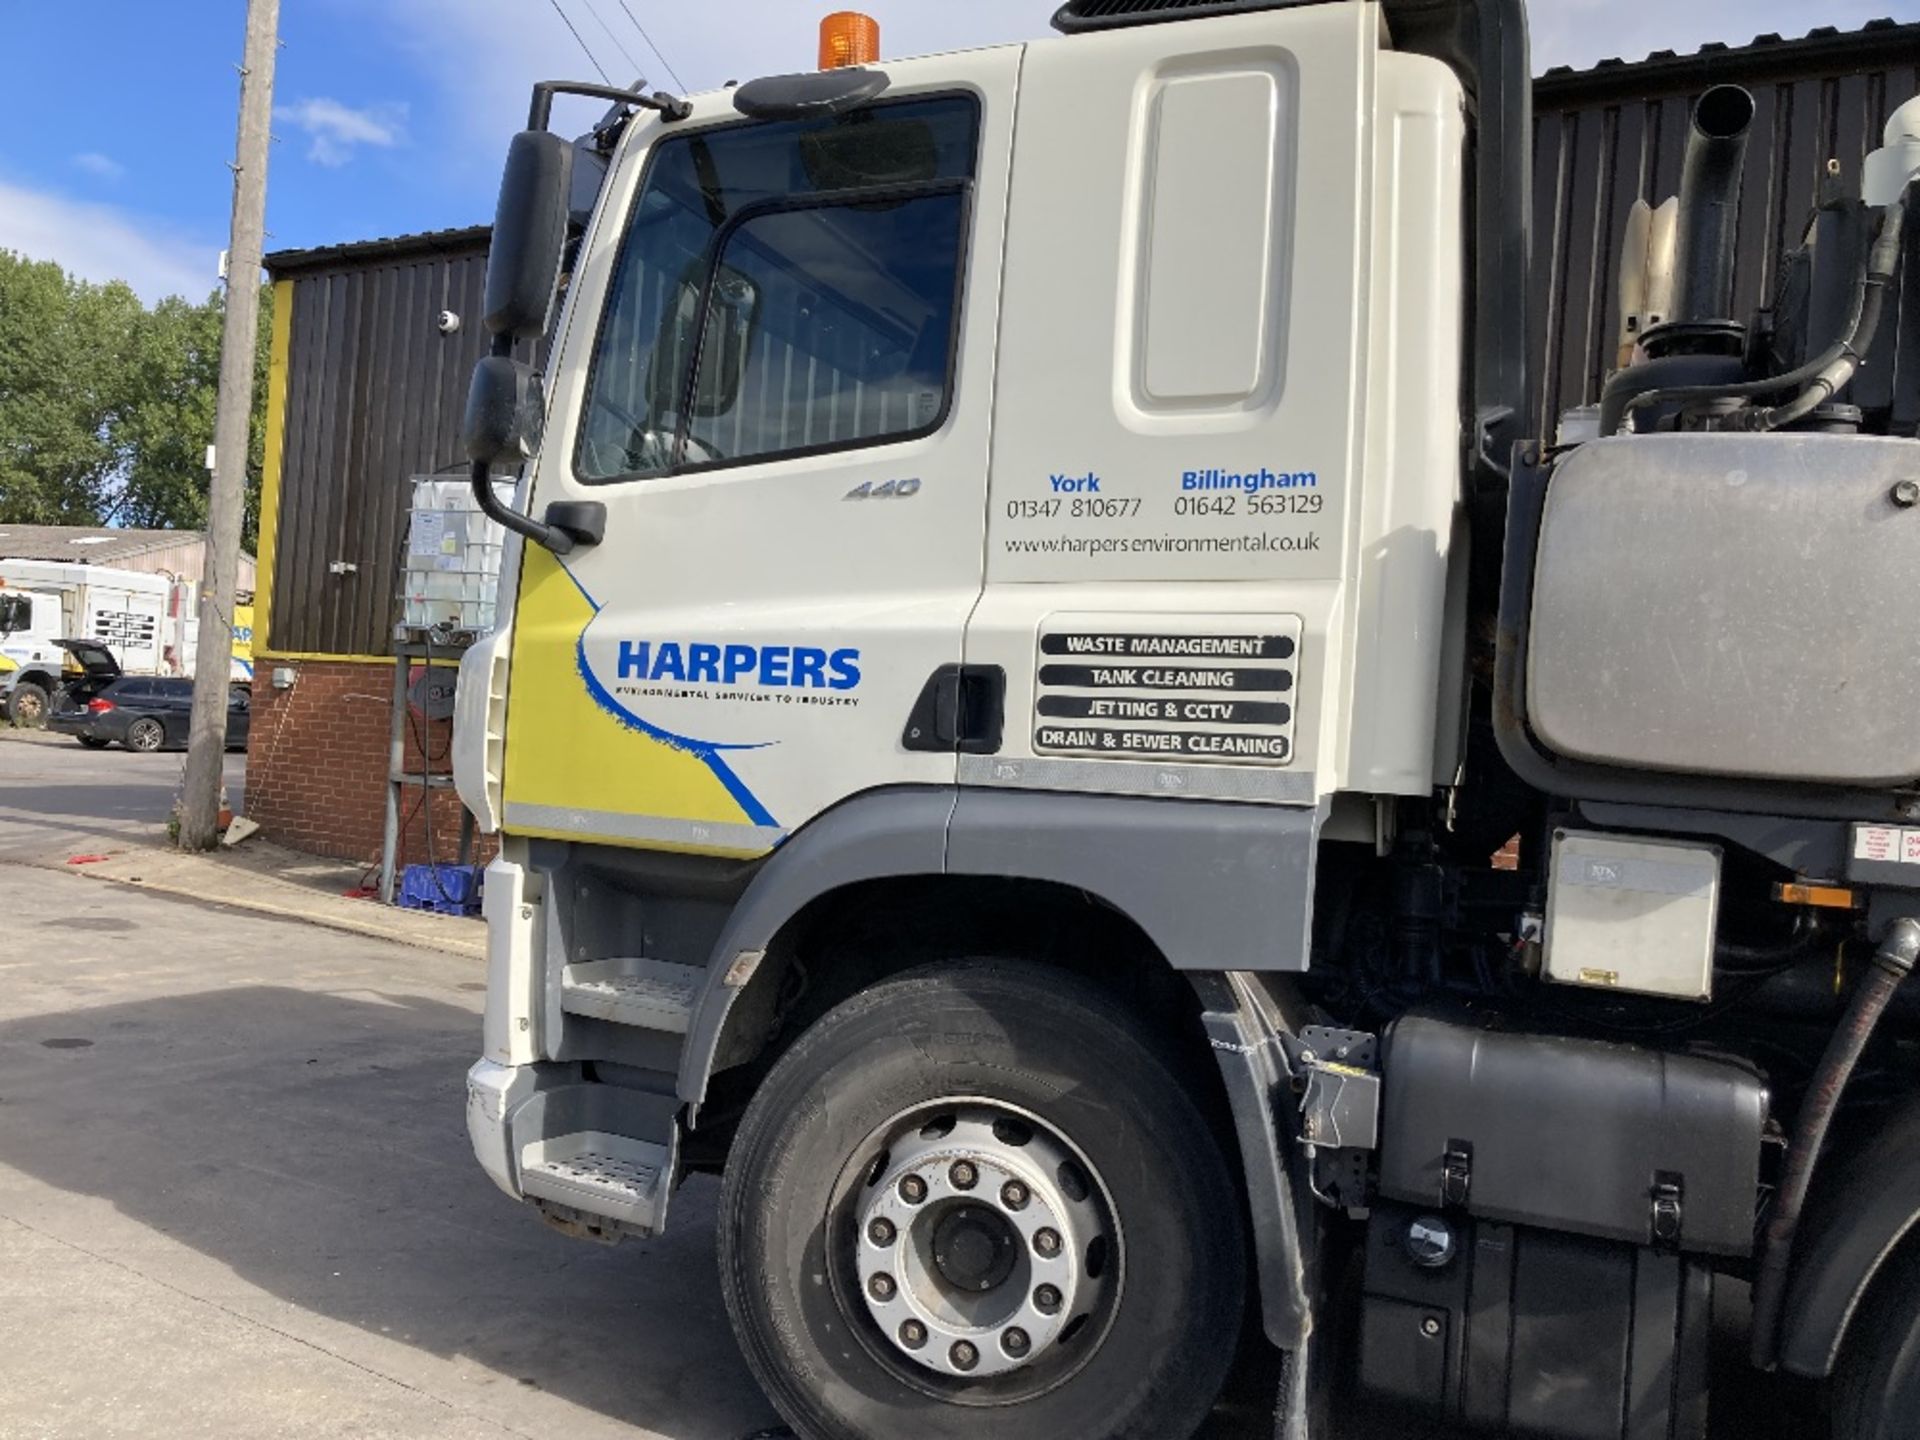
[130, 690]
[816, 264]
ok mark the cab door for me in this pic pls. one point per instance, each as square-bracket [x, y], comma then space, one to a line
[777, 376]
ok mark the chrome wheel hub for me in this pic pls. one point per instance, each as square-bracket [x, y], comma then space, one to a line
[985, 1243]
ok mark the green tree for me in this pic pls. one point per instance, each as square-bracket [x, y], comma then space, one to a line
[107, 408]
[166, 421]
[64, 348]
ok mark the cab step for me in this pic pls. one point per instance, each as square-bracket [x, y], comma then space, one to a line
[647, 994]
[609, 1175]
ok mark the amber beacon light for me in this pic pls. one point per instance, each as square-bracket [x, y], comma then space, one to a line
[848, 38]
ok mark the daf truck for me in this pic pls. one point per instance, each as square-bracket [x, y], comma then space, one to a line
[1058, 722]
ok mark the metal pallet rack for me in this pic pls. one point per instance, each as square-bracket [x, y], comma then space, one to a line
[411, 644]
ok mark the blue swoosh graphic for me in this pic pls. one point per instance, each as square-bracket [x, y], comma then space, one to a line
[709, 752]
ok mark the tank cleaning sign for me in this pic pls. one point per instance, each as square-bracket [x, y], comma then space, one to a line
[1133, 691]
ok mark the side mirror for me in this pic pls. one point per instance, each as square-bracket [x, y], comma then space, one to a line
[16, 613]
[506, 412]
[529, 234]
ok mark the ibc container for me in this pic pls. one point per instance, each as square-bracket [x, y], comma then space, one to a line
[452, 569]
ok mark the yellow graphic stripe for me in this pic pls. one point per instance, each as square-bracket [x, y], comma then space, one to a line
[564, 751]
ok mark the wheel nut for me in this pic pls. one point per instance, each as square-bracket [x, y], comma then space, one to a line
[913, 1334]
[881, 1232]
[1015, 1342]
[882, 1288]
[964, 1175]
[1047, 1300]
[1047, 1243]
[1014, 1195]
[963, 1355]
[912, 1189]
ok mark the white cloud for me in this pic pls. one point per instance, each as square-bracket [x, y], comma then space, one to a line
[105, 242]
[336, 129]
[101, 167]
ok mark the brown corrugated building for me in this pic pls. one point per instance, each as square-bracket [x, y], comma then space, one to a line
[367, 391]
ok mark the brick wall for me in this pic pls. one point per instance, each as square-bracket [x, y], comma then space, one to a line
[317, 764]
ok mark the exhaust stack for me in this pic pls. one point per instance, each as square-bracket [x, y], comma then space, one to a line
[1710, 179]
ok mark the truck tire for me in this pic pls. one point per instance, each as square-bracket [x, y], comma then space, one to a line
[975, 1203]
[1877, 1384]
[28, 704]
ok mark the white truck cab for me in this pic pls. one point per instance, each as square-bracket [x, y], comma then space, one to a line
[125, 610]
[1033, 608]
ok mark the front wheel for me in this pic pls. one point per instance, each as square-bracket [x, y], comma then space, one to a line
[28, 705]
[975, 1203]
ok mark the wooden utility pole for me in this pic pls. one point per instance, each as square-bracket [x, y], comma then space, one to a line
[213, 663]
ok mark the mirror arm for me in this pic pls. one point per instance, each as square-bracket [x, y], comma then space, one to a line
[558, 541]
[540, 112]
[570, 524]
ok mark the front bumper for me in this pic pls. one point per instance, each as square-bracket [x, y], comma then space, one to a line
[494, 1092]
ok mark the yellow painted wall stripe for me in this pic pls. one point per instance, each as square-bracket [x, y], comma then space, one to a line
[319, 657]
[276, 440]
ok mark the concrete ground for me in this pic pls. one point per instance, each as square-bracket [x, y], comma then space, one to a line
[236, 1197]
[104, 813]
[236, 1200]
[55, 794]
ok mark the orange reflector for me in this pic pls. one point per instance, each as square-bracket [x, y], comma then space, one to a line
[848, 38]
[1824, 897]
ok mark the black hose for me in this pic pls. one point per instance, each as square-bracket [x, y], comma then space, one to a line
[1892, 963]
[1808, 939]
[1843, 361]
[1863, 316]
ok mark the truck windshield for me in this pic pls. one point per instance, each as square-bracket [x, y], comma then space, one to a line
[809, 271]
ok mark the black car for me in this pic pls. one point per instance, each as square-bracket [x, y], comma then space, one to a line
[140, 712]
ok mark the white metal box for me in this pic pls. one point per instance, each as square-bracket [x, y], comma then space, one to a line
[1632, 914]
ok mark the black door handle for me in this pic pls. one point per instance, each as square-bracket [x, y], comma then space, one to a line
[961, 707]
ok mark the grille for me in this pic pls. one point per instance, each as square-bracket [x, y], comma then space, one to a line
[1110, 14]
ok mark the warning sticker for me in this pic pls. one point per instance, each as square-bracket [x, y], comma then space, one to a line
[1886, 844]
[1880, 843]
[1217, 694]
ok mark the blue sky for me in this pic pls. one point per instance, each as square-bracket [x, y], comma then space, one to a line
[392, 115]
